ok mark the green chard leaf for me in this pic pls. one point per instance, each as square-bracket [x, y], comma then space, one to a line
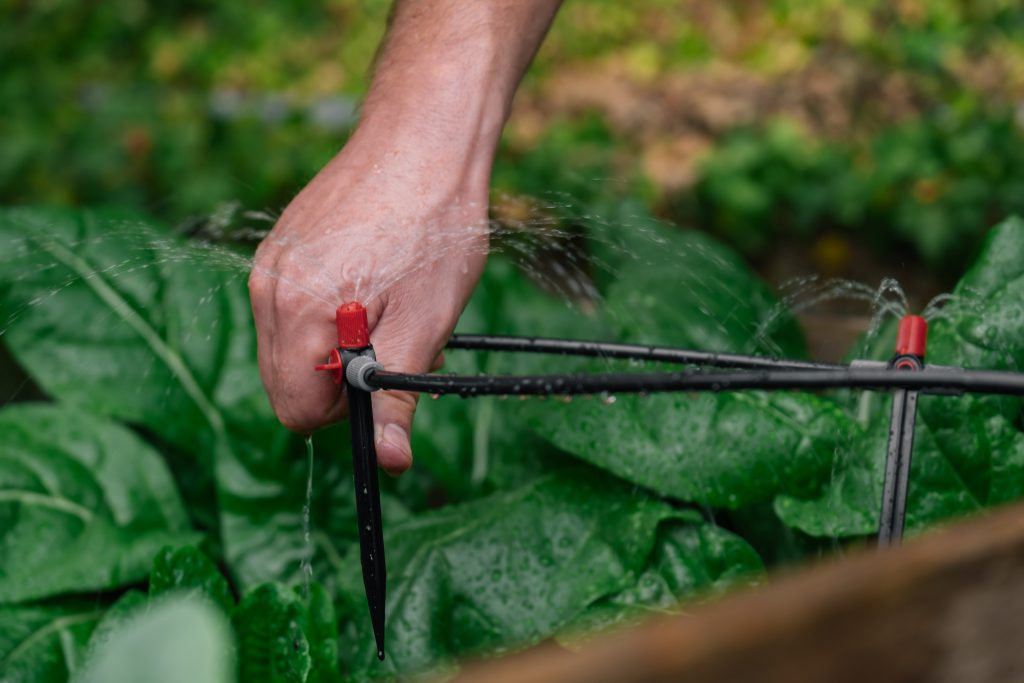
[691, 557]
[112, 314]
[84, 504]
[723, 450]
[513, 568]
[320, 625]
[189, 570]
[283, 637]
[968, 450]
[44, 643]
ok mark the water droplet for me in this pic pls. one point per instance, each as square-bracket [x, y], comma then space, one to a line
[307, 538]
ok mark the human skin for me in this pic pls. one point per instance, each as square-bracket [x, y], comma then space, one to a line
[398, 219]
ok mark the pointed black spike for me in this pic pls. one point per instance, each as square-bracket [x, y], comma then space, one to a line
[371, 533]
[897, 461]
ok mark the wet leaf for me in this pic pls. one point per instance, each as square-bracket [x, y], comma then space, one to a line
[724, 450]
[84, 503]
[691, 557]
[511, 569]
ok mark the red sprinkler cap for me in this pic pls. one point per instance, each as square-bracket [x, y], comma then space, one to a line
[353, 329]
[912, 337]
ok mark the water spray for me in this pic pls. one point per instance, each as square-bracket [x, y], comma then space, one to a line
[354, 364]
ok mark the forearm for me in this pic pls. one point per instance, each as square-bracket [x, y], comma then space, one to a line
[446, 76]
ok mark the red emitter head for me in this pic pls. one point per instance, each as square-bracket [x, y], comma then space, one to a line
[353, 334]
[353, 329]
[912, 336]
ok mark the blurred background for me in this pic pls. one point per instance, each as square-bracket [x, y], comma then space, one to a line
[853, 138]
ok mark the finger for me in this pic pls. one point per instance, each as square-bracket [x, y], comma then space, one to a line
[438, 362]
[295, 333]
[392, 423]
[393, 410]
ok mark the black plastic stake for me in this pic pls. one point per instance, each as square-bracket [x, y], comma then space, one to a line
[371, 531]
[897, 460]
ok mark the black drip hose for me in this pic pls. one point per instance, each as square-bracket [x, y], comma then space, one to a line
[930, 380]
[572, 347]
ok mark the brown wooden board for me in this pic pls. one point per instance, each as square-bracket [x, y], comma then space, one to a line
[947, 606]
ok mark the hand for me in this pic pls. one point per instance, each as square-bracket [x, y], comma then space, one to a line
[403, 234]
[397, 221]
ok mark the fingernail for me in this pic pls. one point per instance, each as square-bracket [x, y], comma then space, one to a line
[396, 436]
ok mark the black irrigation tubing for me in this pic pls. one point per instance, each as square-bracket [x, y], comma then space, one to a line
[572, 347]
[936, 380]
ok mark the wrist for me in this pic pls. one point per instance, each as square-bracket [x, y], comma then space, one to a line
[443, 113]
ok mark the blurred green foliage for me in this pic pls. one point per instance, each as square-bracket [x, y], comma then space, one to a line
[934, 184]
[180, 108]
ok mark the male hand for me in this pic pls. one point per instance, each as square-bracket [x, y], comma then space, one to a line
[403, 238]
[398, 220]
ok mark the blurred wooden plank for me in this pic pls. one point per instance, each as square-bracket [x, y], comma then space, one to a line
[948, 606]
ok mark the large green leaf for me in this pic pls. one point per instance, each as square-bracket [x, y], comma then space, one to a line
[691, 557]
[968, 450]
[84, 503]
[506, 570]
[44, 644]
[109, 312]
[726, 450]
[112, 314]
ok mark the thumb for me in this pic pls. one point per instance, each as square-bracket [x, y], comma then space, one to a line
[393, 410]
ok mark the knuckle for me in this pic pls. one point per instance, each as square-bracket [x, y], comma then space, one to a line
[405, 399]
[288, 297]
[260, 286]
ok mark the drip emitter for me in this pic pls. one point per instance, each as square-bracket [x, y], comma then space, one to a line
[349, 363]
[354, 364]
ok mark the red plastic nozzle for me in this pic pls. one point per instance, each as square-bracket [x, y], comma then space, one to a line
[912, 337]
[353, 329]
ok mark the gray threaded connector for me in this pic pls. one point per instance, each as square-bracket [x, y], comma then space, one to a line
[358, 368]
